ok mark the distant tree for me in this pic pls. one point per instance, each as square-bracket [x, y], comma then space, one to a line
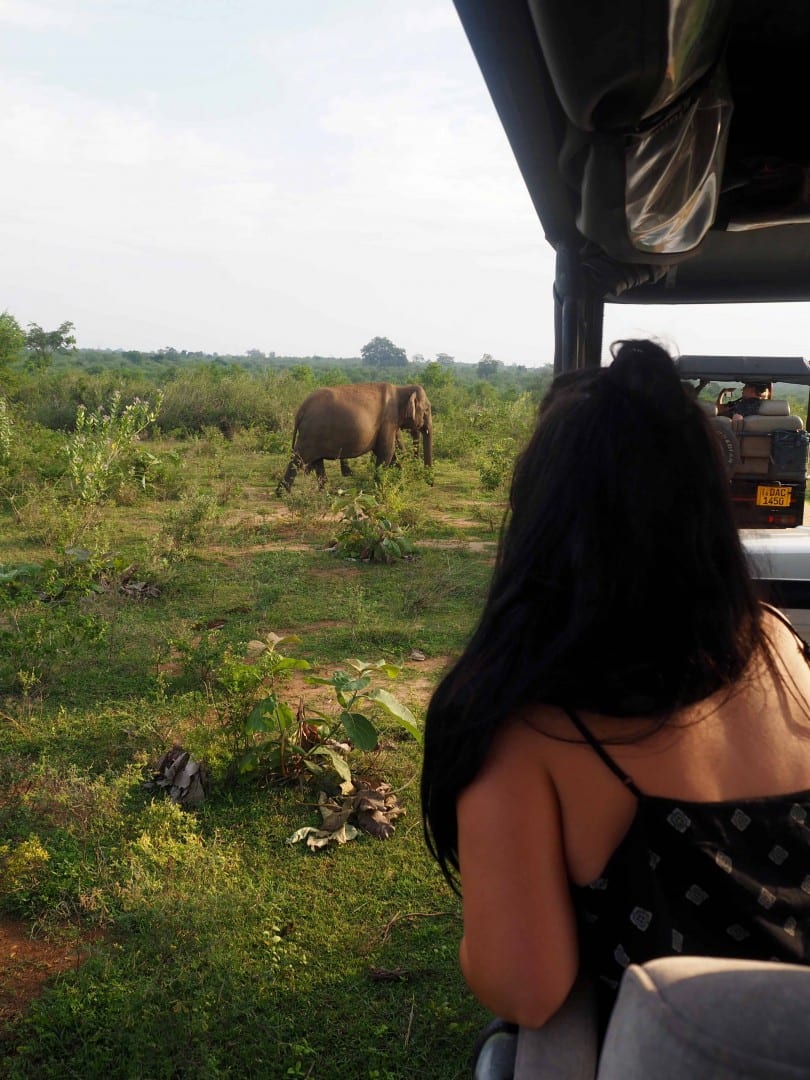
[417, 358]
[488, 367]
[41, 344]
[12, 340]
[445, 359]
[433, 376]
[380, 352]
[302, 373]
[255, 354]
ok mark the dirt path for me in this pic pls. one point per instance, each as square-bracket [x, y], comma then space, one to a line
[27, 963]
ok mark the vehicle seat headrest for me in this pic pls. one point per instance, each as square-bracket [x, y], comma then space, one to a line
[774, 408]
[760, 424]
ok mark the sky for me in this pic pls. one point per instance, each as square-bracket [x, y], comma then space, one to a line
[295, 177]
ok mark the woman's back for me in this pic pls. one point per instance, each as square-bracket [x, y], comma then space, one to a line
[749, 743]
[701, 841]
[579, 833]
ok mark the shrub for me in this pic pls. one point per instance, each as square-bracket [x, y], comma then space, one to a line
[367, 531]
[103, 455]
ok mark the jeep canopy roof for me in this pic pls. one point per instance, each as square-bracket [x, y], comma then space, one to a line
[662, 144]
[771, 369]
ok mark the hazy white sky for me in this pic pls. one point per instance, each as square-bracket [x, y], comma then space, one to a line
[289, 176]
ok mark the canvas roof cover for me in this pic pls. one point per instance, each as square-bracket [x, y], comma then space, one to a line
[665, 146]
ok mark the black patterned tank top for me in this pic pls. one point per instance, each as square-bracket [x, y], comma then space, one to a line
[725, 879]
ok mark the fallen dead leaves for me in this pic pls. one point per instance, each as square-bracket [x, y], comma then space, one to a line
[180, 777]
[359, 806]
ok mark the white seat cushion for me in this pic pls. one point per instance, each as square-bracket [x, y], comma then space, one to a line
[775, 407]
[688, 1017]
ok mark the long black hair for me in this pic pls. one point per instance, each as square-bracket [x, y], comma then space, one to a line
[620, 585]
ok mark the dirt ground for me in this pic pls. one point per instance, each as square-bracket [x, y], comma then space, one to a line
[27, 963]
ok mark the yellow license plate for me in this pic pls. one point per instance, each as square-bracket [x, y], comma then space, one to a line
[773, 496]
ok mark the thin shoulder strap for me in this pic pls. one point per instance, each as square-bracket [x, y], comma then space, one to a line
[805, 648]
[592, 741]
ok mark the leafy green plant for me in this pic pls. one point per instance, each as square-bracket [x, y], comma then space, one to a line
[44, 613]
[495, 466]
[38, 641]
[291, 742]
[354, 686]
[102, 453]
[307, 502]
[185, 523]
[266, 733]
[367, 531]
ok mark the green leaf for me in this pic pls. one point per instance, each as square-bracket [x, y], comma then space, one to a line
[262, 718]
[270, 715]
[360, 730]
[354, 685]
[321, 679]
[289, 663]
[339, 764]
[285, 717]
[401, 713]
[248, 761]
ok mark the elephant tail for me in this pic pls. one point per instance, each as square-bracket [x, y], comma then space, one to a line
[295, 434]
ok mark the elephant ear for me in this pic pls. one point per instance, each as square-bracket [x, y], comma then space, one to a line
[410, 408]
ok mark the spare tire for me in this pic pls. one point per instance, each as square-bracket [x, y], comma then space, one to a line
[729, 443]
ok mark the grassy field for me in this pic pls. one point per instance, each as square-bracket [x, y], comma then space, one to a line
[141, 940]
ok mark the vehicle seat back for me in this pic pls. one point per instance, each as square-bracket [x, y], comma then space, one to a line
[675, 1018]
[756, 438]
[688, 1016]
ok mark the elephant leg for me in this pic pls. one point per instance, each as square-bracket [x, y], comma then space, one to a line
[385, 449]
[320, 471]
[396, 460]
[286, 481]
[344, 468]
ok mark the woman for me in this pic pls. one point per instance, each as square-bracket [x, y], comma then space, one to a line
[618, 766]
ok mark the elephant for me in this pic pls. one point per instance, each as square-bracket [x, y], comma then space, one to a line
[340, 422]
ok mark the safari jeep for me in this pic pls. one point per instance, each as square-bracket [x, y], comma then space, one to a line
[766, 453]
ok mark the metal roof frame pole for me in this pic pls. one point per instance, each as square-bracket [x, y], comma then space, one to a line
[579, 310]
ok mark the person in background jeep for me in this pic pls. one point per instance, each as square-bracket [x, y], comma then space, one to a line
[746, 405]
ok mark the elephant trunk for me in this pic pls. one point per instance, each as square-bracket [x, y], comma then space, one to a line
[427, 444]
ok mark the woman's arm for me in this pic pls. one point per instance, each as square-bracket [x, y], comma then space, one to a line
[519, 953]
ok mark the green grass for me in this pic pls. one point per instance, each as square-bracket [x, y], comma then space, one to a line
[224, 951]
